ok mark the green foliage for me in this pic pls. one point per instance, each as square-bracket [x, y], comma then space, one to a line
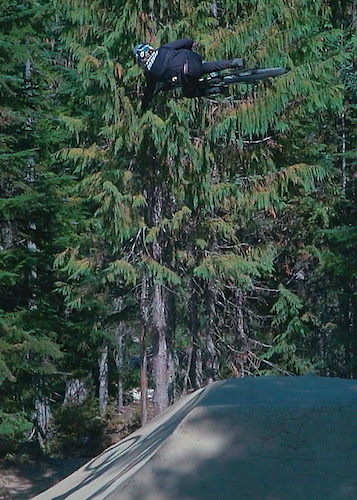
[234, 266]
[31, 215]
[14, 430]
[241, 209]
[290, 346]
[251, 185]
[287, 305]
[159, 273]
[78, 429]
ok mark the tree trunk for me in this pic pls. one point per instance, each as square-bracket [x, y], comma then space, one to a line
[144, 378]
[143, 350]
[195, 367]
[103, 378]
[171, 352]
[350, 341]
[353, 334]
[214, 8]
[118, 357]
[210, 356]
[160, 354]
[43, 418]
[240, 340]
[344, 164]
[76, 392]
[353, 16]
[120, 331]
[159, 317]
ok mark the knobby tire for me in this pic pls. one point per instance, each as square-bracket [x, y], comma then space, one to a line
[243, 76]
[251, 76]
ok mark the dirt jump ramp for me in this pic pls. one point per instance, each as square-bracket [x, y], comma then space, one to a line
[266, 438]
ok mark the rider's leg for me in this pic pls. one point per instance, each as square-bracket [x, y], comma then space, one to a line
[190, 88]
[191, 74]
[195, 69]
[212, 66]
[203, 92]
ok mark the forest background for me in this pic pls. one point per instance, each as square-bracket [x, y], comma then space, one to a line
[200, 240]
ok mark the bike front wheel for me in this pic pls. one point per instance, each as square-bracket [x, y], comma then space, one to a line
[252, 75]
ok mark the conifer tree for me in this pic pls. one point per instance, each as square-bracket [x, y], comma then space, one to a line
[205, 188]
[332, 283]
[30, 214]
[216, 233]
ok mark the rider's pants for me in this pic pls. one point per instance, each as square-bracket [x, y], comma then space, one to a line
[194, 69]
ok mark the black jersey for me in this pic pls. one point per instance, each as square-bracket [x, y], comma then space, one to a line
[165, 63]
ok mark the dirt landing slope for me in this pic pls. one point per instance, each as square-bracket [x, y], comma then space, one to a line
[269, 438]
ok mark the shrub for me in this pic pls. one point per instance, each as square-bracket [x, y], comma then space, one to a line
[78, 430]
[14, 430]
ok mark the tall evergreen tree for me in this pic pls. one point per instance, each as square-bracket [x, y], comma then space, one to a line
[333, 304]
[30, 219]
[206, 227]
[215, 233]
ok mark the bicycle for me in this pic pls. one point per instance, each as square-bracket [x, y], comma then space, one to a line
[218, 83]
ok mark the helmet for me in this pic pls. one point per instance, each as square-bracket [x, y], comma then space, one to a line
[141, 51]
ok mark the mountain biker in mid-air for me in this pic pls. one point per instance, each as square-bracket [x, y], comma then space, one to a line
[175, 61]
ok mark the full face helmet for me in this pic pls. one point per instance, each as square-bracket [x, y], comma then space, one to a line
[141, 53]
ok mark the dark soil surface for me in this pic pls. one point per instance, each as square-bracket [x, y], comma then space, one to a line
[22, 481]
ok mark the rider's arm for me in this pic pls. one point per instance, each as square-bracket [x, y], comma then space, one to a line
[183, 43]
[148, 93]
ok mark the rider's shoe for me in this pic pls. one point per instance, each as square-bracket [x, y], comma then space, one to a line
[238, 63]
